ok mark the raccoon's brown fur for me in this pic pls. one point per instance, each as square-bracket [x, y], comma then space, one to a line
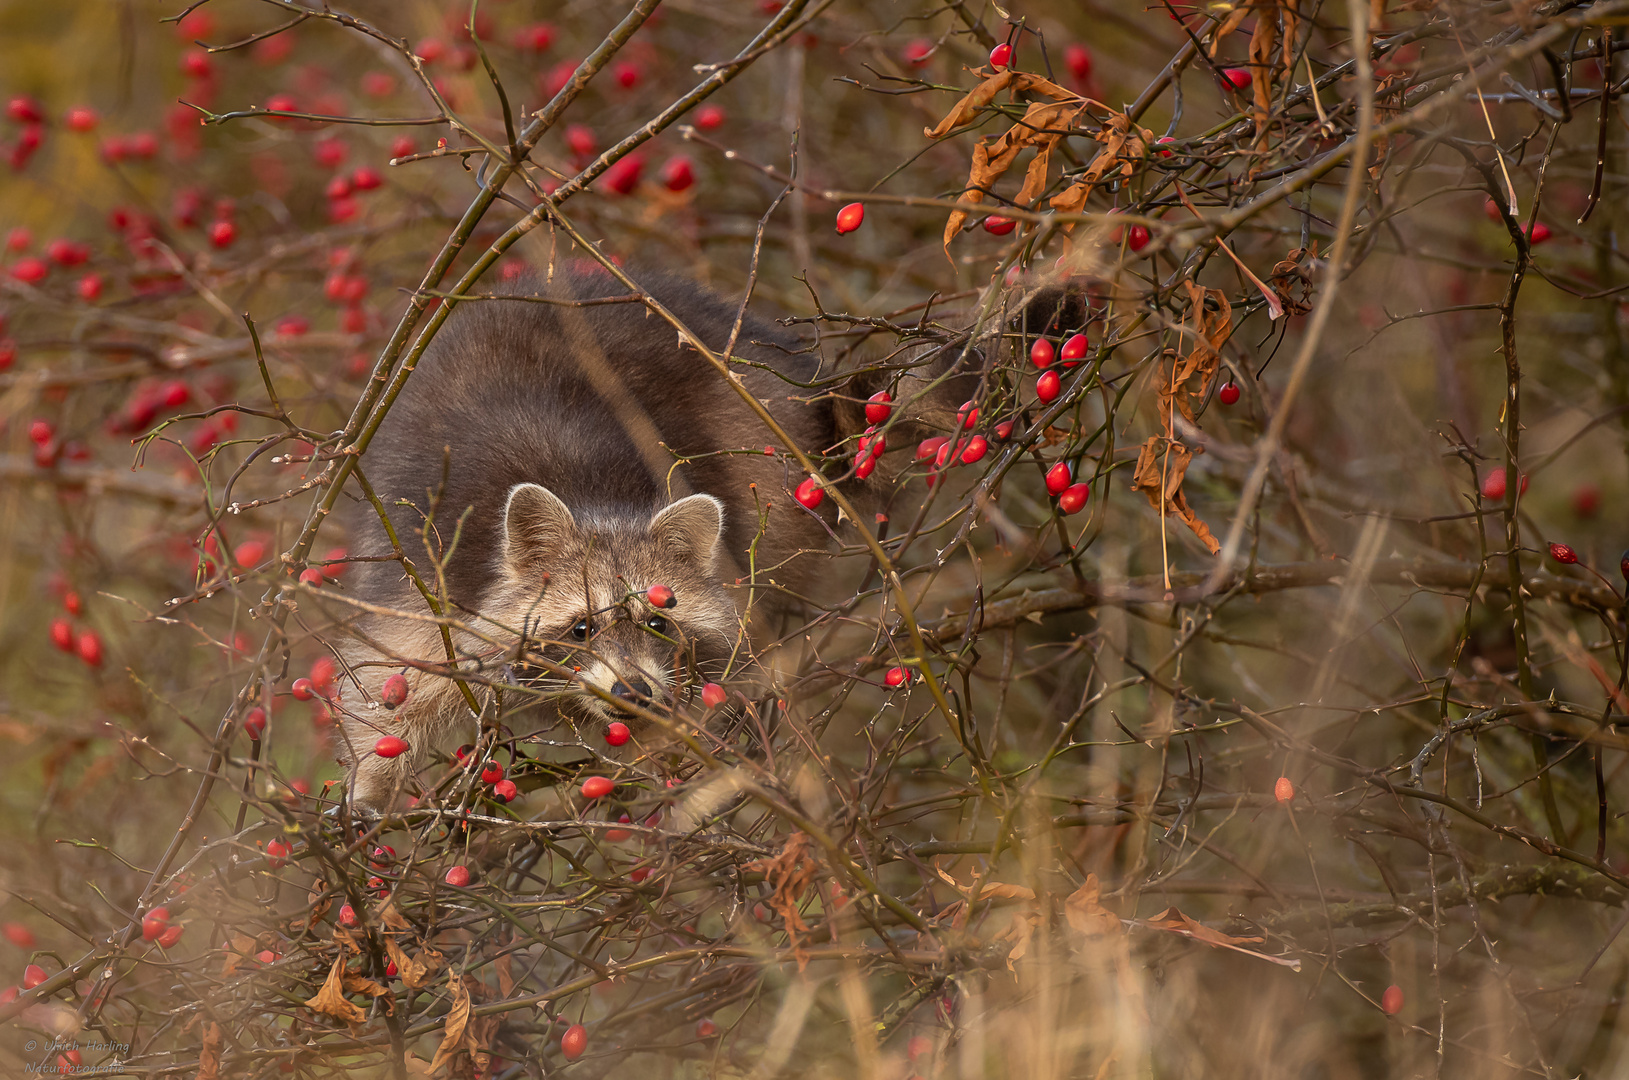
[558, 461]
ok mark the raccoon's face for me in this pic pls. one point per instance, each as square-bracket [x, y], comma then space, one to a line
[577, 590]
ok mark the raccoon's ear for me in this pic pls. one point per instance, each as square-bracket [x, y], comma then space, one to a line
[536, 524]
[692, 526]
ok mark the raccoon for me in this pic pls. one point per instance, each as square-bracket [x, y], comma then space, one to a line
[545, 466]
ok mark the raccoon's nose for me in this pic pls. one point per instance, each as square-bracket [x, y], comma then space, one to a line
[636, 691]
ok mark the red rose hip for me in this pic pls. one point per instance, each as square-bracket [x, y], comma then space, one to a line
[878, 407]
[810, 493]
[1073, 499]
[1048, 387]
[394, 692]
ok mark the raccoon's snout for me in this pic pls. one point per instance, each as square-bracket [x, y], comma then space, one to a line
[634, 691]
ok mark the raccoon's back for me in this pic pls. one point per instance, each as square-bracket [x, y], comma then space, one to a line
[590, 401]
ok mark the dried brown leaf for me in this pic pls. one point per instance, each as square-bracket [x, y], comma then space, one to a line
[1175, 921]
[1042, 126]
[391, 918]
[346, 941]
[1263, 67]
[415, 972]
[1035, 84]
[1072, 199]
[989, 890]
[1292, 280]
[240, 947]
[1229, 24]
[452, 1036]
[1124, 144]
[209, 1054]
[320, 903]
[979, 177]
[790, 874]
[976, 99]
[1034, 177]
[1082, 910]
[1291, 11]
[985, 92]
[1019, 932]
[1185, 381]
[360, 984]
[1172, 919]
[1157, 472]
[330, 1000]
[482, 1031]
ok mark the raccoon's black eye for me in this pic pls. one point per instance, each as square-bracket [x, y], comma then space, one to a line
[579, 632]
[658, 625]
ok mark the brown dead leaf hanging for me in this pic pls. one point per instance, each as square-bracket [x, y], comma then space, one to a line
[1083, 911]
[1042, 126]
[415, 972]
[1185, 381]
[1271, 53]
[790, 874]
[360, 984]
[985, 92]
[1292, 279]
[483, 1030]
[239, 949]
[989, 890]
[330, 1000]
[1263, 53]
[1019, 932]
[391, 918]
[1385, 110]
[452, 1036]
[209, 1054]
[1161, 466]
[1124, 145]
[1175, 921]
[1172, 919]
